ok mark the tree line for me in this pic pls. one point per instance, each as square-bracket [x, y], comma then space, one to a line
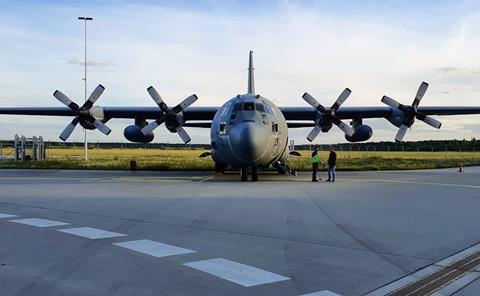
[471, 145]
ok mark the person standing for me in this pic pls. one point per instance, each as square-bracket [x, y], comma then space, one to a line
[315, 160]
[332, 163]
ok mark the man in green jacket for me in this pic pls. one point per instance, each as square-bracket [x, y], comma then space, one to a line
[315, 160]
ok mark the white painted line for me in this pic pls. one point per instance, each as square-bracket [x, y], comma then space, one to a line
[91, 233]
[322, 293]
[3, 215]
[37, 222]
[238, 273]
[153, 248]
[458, 284]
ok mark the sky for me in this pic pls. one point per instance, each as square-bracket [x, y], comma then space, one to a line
[375, 48]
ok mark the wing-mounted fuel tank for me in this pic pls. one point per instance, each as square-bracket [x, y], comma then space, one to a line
[362, 132]
[133, 133]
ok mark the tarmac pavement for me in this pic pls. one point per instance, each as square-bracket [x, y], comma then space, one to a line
[193, 233]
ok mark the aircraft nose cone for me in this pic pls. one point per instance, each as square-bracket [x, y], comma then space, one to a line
[248, 141]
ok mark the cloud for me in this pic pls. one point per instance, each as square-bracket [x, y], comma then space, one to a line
[457, 71]
[320, 48]
[81, 62]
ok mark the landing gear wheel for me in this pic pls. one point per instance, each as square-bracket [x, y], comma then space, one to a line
[254, 174]
[244, 174]
[280, 171]
[219, 168]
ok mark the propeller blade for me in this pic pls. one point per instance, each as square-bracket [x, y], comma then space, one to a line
[430, 121]
[185, 103]
[102, 127]
[420, 93]
[157, 98]
[69, 129]
[343, 126]
[97, 92]
[401, 133]
[183, 134]
[152, 125]
[341, 99]
[390, 102]
[65, 100]
[314, 133]
[313, 102]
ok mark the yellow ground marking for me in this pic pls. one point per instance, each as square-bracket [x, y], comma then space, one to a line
[155, 179]
[47, 178]
[207, 178]
[413, 182]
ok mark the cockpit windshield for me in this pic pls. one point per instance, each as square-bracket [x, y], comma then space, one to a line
[249, 106]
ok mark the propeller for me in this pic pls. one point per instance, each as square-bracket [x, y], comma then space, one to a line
[83, 114]
[172, 117]
[328, 116]
[410, 112]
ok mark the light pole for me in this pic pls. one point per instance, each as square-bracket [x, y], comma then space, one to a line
[85, 19]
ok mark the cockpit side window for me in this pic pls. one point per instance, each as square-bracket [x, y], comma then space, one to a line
[222, 127]
[249, 106]
[268, 109]
[237, 107]
[259, 107]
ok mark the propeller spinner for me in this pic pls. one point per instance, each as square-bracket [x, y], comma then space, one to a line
[410, 112]
[328, 117]
[170, 116]
[83, 114]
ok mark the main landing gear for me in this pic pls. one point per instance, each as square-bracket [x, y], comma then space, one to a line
[244, 173]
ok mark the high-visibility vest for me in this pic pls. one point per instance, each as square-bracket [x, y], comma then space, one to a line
[315, 159]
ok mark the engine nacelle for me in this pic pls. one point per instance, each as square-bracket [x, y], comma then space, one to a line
[362, 132]
[133, 133]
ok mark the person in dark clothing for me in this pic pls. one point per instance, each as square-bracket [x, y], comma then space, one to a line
[315, 160]
[332, 163]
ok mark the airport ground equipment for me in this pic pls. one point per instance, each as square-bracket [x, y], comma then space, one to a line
[248, 132]
[35, 144]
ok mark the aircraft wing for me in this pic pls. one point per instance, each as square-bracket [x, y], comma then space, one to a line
[190, 114]
[207, 113]
[308, 113]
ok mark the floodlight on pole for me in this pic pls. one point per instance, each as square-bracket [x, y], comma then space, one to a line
[85, 19]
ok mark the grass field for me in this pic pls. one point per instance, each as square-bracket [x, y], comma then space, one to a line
[156, 159]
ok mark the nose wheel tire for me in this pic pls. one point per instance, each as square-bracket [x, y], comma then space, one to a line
[254, 174]
[244, 174]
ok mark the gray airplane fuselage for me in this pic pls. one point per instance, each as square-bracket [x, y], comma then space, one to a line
[249, 130]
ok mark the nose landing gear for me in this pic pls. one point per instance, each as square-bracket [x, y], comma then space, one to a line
[244, 173]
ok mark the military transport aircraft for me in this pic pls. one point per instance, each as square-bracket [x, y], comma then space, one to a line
[249, 131]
